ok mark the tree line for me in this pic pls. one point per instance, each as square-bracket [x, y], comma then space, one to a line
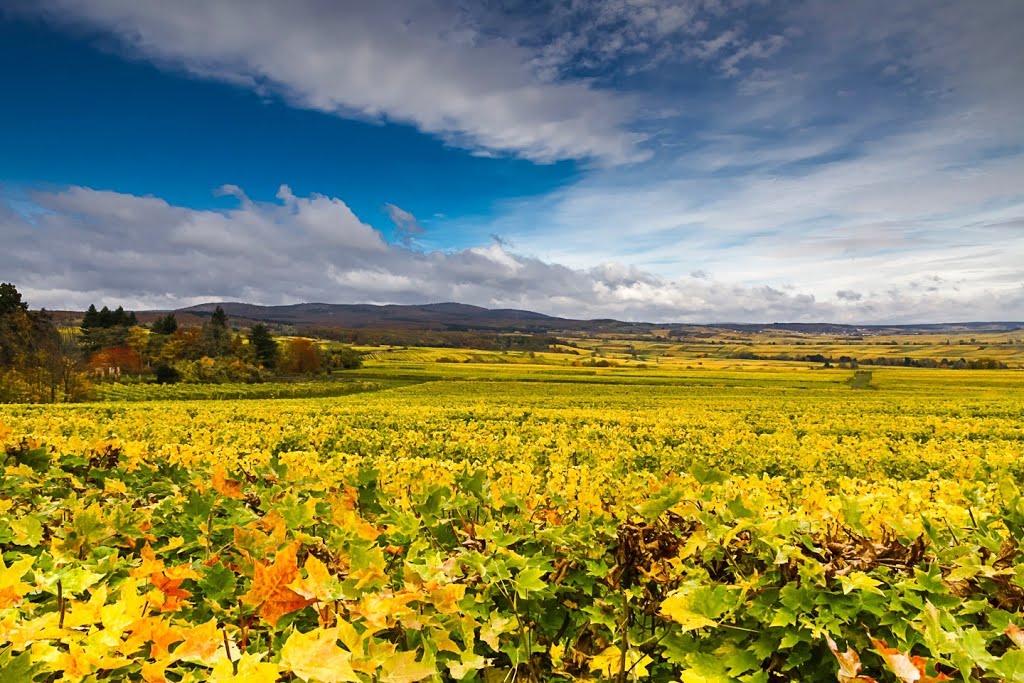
[881, 361]
[445, 339]
[41, 361]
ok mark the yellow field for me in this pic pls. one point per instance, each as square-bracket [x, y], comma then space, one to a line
[494, 521]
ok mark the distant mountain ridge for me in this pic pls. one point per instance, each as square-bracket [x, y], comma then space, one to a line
[441, 316]
[456, 316]
[451, 316]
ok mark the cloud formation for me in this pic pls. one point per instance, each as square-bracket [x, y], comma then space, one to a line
[808, 161]
[80, 246]
[869, 150]
[420, 63]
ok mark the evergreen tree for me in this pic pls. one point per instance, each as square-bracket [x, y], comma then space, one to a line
[15, 328]
[165, 325]
[92, 318]
[219, 318]
[216, 336]
[10, 299]
[264, 347]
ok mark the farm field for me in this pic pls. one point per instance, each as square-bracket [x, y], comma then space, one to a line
[734, 521]
[719, 349]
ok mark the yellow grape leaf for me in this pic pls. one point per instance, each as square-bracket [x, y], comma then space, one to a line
[490, 632]
[153, 672]
[861, 582]
[609, 663]
[270, 592]
[443, 641]
[87, 613]
[74, 663]
[254, 541]
[349, 637]
[319, 584]
[11, 587]
[75, 581]
[250, 670]
[380, 610]
[316, 656]
[470, 662]
[21, 633]
[201, 644]
[446, 598]
[172, 543]
[677, 608]
[129, 608]
[78, 662]
[403, 668]
[114, 486]
[27, 531]
[376, 652]
[182, 571]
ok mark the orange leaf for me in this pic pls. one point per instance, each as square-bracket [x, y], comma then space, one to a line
[158, 632]
[1016, 634]
[229, 488]
[907, 669]
[201, 644]
[270, 592]
[150, 563]
[170, 587]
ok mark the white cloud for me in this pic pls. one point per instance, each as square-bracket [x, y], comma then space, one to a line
[410, 62]
[407, 228]
[817, 173]
[85, 246]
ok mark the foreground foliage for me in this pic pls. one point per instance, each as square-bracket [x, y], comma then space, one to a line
[545, 533]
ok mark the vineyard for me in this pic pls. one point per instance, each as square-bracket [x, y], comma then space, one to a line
[230, 391]
[544, 524]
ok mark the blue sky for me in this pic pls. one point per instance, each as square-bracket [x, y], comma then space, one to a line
[702, 160]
